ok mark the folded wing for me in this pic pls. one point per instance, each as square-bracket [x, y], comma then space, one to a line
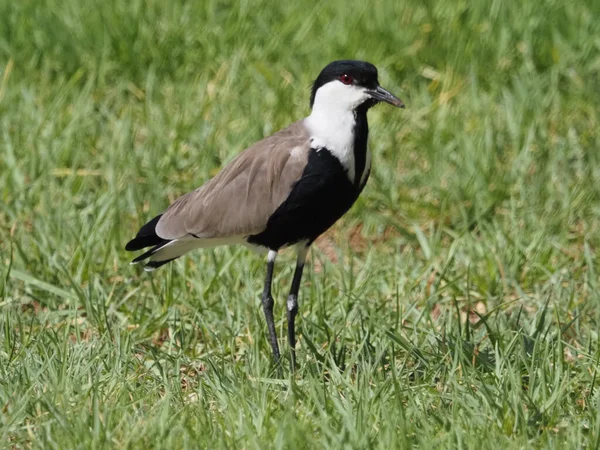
[242, 197]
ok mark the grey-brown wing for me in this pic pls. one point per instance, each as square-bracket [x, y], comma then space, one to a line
[240, 199]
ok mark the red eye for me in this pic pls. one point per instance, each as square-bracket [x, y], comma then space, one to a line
[346, 79]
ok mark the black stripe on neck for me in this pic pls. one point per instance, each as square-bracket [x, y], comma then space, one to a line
[361, 135]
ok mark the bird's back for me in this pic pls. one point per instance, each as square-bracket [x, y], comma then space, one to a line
[239, 200]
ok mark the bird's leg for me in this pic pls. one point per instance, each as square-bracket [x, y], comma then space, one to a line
[292, 303]
[267, 302]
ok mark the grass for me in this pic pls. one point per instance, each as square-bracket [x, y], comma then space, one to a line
[455, 306]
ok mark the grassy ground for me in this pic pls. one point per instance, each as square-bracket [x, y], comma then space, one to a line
[455, 306]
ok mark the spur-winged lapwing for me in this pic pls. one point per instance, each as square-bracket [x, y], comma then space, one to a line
[284, 190]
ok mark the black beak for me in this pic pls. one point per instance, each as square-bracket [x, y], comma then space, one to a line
[382, 95]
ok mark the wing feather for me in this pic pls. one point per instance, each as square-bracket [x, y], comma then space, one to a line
[240, 199]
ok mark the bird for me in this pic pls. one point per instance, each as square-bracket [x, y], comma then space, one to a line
[283, 191]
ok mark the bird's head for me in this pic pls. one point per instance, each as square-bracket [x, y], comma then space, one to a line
[348, 85]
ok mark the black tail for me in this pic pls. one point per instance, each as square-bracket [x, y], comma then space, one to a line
[146, 237]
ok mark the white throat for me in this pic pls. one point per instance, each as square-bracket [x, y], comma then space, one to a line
[331, 123]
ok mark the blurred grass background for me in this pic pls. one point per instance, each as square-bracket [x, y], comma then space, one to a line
[455, 306]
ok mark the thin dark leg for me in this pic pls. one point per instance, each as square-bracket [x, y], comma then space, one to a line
[267, 302]
[292, 304]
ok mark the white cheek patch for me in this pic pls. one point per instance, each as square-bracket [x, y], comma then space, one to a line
[336, 95]
[331, 123]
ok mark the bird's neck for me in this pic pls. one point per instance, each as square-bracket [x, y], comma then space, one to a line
[362, 155]
[344, 133]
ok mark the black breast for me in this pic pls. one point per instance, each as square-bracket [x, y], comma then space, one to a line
[317, 200]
